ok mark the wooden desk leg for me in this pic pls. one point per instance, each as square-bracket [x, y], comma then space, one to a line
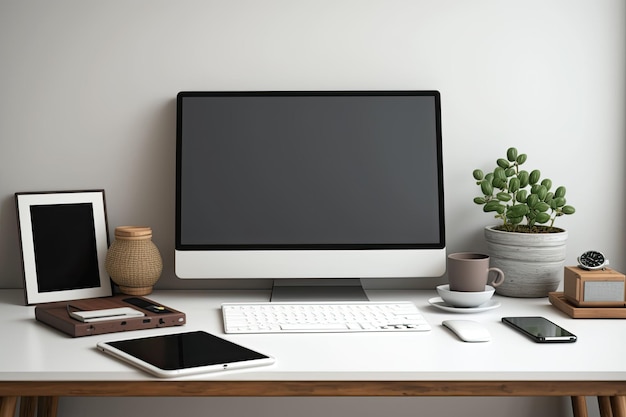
[7, 406]
[618, 405]
[604, 403]
[28, 405]
[47, 406]
[579, 406]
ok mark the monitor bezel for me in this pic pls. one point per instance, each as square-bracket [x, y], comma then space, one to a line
[179, 246]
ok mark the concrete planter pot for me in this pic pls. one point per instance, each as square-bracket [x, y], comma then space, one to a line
[532, 262]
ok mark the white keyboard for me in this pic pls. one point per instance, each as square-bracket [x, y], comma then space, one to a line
[326, 317]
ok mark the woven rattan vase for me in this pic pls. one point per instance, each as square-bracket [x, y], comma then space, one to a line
[133, 260]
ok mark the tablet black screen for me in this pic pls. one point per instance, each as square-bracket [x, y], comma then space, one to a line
[186, 350]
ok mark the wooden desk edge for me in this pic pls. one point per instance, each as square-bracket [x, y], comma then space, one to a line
[173, 388]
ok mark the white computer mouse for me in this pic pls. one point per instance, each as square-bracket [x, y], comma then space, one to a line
[468, 330]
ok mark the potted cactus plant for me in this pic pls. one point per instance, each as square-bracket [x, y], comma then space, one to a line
[525, 245]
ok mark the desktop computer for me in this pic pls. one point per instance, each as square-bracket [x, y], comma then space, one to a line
[330, 186]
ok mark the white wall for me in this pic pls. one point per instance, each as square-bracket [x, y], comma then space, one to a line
[87, 101]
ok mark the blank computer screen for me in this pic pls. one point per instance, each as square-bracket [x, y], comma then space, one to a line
[316, 170]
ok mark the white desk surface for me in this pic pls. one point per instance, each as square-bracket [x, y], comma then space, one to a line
[32, 351]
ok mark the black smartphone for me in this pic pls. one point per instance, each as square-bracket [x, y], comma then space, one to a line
[540, 329]
[146, 305]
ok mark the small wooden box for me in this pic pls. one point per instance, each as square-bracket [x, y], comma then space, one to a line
[601, 288]
[56, 315]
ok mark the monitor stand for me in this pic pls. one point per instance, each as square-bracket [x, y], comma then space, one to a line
[307, 290]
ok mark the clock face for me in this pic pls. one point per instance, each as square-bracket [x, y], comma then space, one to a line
[592, 260]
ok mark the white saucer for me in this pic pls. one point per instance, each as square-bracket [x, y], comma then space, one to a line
[439, 303]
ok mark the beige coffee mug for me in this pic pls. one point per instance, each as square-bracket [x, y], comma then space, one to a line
[470, 272]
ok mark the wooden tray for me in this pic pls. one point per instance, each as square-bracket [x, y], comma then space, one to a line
[56, 315]
[558, 300]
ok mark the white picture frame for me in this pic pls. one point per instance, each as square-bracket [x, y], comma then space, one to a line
[64, 241]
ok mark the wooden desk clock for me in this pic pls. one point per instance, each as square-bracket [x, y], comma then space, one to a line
[594, 288]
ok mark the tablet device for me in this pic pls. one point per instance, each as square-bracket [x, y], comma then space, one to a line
[182, 354]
